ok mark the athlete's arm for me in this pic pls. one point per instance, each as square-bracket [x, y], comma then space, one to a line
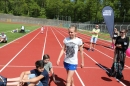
[82, 56]
[61, 53]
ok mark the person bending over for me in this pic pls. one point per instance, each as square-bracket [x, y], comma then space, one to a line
[35, 77]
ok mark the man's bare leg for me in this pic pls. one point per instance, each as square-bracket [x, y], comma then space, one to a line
[13, 79]
[12, 84]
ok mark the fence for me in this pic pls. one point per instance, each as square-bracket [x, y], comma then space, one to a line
[31, 20]
[103, 27]
[55, 22]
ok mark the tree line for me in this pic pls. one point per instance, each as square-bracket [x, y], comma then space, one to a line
[74, 10]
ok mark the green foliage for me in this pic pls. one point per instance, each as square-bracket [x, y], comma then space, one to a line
[79, 10]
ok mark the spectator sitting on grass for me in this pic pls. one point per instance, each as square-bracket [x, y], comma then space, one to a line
[3, 38]
[15, 31]
[22, 29]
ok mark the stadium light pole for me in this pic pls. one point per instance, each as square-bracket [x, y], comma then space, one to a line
[62, 19]
[66, 19]
[57, 18]
[124, 15]
[5, 6]
[96, 11]
[69, 18]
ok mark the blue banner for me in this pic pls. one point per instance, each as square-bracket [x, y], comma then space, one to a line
[108, 15]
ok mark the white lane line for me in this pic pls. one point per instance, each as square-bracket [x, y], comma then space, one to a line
[100, 65]
[103, 68]
[44, 43]
[16, 66]
[18, 53]
[75, 70]
[17, 39]
[97, 50]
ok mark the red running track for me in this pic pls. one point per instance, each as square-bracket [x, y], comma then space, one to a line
[101, 57]
[21, 54]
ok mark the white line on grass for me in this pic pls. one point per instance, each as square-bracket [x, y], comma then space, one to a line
[44, 43]
[75, 70]
[18, 53]
[101, 66]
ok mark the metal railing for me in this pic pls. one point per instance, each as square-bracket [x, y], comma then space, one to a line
[56, 22]
[102, 27]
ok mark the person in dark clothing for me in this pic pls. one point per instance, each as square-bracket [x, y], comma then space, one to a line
[122, 43]
[115, 35]
[22, 29]
[35, 77]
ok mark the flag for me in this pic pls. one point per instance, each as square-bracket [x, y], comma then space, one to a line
[108, 15]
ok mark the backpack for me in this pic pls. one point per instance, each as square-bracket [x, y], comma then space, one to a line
[117, 67]
[117, 70]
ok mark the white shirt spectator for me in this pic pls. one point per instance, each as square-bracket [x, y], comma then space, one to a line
[22, 28]
[3, 37]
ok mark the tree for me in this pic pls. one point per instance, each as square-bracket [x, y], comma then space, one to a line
[79, 10]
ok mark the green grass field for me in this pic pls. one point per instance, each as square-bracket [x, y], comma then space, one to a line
[8, 27]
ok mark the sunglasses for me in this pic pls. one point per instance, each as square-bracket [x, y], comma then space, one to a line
[122, 32]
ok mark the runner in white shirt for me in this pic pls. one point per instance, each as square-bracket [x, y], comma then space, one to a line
[42, 29]
[71, 46]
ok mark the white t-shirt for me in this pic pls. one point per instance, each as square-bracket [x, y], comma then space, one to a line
[72, 46]
[48, 66]
[42, 28]
[22, 28]
[3, 36]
